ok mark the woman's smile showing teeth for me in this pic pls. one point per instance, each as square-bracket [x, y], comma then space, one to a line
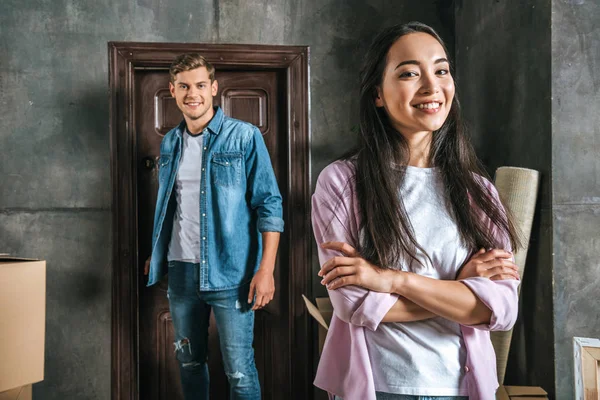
[430, 107]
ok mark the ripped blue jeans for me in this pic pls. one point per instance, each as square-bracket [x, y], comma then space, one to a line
[190, 311]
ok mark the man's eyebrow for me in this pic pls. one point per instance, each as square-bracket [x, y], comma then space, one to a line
[185, 83]
[415, 62]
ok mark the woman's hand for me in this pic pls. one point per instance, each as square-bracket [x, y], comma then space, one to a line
[494, 264]
[339, 271]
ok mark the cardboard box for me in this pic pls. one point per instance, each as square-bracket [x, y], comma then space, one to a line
[20, 393]
[322, 312]
[521, 393]
[23, 316]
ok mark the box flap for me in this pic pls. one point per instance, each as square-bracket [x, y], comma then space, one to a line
[535, 397]
[324, 305]
[4, 257]
[20, 393]
[501, 394]
[325, 308]
[314, 311]
[525, 391]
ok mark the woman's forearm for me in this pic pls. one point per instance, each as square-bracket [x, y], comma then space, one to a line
[405, 310]
[448, 299]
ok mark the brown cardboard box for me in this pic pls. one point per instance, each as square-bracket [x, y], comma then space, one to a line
[20, 393]
[23, 316]
[322, 312]
[521, 393]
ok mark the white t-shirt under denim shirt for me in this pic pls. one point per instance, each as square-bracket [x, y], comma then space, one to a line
[426, 357]
[185, 239]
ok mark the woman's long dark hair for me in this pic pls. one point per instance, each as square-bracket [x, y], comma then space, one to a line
[388, 237]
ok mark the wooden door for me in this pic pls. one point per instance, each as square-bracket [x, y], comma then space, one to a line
[252, 96]
[268, 86]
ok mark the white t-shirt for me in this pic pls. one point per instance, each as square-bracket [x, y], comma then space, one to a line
[185, 238]
[426, 357]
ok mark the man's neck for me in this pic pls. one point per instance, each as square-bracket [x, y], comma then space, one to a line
[194, 127]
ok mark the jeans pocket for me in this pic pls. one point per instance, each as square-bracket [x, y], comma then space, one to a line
[227, 169]
[181, 278]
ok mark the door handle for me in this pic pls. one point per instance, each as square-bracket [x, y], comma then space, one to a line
[148, 162]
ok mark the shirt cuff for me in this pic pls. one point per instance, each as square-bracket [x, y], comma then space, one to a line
[500, 297]
[372, 310]
[270, 224]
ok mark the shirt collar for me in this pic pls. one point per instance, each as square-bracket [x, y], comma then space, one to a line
[216, 122]
[214, 126]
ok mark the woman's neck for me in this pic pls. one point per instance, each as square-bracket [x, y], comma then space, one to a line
[419, 145]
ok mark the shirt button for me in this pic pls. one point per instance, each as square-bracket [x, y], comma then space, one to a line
[204, 215]
[205, 148]
[204, 238]
[202, 169]
[467, 369]
[203, 261]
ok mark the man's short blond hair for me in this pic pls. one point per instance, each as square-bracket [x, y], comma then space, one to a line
[188, 62]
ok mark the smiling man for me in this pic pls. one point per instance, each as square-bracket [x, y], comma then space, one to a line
[216, 231]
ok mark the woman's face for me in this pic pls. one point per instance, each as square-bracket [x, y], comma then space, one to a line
[417, 88]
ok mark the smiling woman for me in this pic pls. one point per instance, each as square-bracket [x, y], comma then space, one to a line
[414, 243]
[417, 89]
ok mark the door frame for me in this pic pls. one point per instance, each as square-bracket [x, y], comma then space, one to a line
[126, 57]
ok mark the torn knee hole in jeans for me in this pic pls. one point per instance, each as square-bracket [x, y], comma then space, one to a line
[235, 375]
[182, 344]
[183, 349]
[192, 364]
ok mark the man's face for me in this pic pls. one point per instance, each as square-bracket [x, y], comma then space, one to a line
[193, 91]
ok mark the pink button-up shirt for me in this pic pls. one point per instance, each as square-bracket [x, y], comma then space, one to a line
[345, 369]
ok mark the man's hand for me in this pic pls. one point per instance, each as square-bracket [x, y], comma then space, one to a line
[494, 264]
[147, 266]
[338, 271]
[263, 286]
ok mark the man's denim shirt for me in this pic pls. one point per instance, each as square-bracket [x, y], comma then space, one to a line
[239, 198]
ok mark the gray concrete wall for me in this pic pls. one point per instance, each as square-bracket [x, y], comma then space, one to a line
[503, 53]
[576, 179]
[55, 195]
[530, 90]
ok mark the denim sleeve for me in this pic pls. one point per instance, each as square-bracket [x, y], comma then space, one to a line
[265, 198]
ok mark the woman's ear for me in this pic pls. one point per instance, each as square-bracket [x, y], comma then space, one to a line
[378, 97]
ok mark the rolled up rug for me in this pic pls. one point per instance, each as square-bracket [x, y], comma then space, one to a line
[518, 189]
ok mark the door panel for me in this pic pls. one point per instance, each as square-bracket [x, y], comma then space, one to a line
[253, 96]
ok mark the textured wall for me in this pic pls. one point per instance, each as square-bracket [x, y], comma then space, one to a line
[503, 52]
[55, 193]
[576, 179]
